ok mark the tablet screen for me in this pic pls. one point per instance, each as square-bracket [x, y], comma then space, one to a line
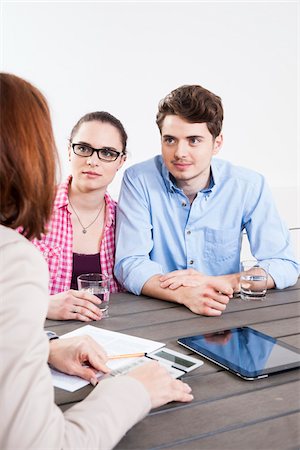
[244, 351]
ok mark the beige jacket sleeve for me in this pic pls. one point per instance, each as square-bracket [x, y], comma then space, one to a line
[29, 417]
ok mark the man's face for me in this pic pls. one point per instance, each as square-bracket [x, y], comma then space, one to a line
[187, 150]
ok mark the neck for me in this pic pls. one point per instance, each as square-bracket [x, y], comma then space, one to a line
[193, 186]
[86, 201]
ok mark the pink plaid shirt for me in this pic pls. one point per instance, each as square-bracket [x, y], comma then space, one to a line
[57, 244]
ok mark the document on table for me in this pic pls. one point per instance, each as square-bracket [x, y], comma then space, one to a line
[114, 344]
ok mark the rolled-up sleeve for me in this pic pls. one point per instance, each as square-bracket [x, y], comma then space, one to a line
[269, 237]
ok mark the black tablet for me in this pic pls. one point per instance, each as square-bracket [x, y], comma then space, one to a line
[244, 351]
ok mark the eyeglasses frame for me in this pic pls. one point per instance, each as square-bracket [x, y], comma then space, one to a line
[97, 150]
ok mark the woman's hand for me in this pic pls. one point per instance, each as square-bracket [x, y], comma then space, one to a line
[80, 356]
[74, 305]
[161, 387]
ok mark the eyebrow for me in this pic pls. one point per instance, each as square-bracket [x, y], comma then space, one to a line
[89, 145]
[196, 136]
[84, 143]
[186, 137]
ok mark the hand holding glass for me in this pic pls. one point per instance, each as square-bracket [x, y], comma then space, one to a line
[254, 278]
[97, 284]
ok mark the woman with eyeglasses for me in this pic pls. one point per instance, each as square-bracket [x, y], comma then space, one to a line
[81, 233]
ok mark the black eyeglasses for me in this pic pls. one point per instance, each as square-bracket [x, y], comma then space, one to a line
[106, 154]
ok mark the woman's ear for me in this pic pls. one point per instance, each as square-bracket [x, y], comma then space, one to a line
[122, 160]
[69, 151]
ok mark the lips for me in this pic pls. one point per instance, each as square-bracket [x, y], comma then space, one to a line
[182, 166]
[91, 174]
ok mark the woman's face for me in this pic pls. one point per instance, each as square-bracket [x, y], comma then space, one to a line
[90, 173]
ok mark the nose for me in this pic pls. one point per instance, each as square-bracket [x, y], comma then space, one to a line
[93, 160]
[181, 150]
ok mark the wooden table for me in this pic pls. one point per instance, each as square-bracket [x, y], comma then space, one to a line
[227, 412]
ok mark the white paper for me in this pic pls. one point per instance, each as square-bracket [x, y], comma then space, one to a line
[114, 344]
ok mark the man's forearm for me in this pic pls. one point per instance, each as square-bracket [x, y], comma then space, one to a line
[152, 289]
[209, 296]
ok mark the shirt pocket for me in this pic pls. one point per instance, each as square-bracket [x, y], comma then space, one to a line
[52, 256]
[221, 245]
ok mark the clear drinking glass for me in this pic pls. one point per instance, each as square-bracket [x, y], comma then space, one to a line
[97, 284]
[253, 280]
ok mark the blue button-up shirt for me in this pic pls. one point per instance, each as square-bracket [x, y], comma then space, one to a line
[158, 230]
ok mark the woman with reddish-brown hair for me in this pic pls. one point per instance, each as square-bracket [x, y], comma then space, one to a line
[30, 419]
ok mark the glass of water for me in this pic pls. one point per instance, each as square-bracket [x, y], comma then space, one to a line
[97, 284]
[253, 280]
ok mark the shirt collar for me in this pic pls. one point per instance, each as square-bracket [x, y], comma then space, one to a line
[110, 217]
[62, 201]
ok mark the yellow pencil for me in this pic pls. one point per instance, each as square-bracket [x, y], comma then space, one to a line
[127, 355]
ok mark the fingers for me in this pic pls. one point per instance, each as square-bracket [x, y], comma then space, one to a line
[208, 307]
[220, 284]
[217, 297]
[209, 303]
[74, 305]
[162, 388]
[96, 355]
[83, 306]
[182, 272]
[98, 363]
[85, 295]
[175, 282]
[86, 373]
[181, 392]
[82, 311]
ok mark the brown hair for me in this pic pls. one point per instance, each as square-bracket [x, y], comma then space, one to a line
[105, 117]
[27, 157]
[194, 104]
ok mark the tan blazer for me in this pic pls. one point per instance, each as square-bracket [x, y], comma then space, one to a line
[29, 417]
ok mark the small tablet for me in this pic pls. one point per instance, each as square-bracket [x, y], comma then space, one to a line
[245, 352]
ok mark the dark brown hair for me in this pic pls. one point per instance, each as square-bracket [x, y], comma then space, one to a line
[105, 117]
[194, 104]
[27, 157]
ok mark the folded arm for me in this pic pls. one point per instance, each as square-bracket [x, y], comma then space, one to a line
[209, 296]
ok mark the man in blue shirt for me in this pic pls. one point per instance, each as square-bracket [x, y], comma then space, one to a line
[181, 214]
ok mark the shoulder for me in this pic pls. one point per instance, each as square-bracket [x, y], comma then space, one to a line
[18, 250]
[110, 201]
[10, 238]
[61, 198]
[226, 171]
[146, 169]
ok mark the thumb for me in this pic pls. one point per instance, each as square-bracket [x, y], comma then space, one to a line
[222, 286]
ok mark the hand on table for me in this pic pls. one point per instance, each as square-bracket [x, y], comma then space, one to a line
[68, 356]
[161, 387]
[74, 305]
[202, 294]
[177, 278]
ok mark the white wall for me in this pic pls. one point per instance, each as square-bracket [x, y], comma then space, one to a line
[124, 57]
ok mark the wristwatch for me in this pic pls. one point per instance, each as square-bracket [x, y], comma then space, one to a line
[51, 335]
